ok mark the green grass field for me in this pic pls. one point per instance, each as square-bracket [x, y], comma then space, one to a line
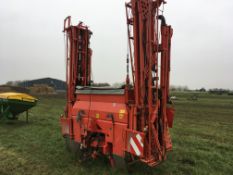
[202, 141]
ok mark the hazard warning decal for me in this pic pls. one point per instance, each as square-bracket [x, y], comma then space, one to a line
[135, 143]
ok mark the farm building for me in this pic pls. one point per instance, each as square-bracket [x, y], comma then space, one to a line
[51, 82]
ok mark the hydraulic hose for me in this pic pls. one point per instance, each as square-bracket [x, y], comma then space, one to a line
[163, 20]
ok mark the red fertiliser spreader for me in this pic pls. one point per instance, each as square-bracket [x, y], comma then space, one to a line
[130, 123]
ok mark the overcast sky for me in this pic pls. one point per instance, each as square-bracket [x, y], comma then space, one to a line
[32, 42]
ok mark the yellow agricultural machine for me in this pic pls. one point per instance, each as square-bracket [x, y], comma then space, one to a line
[12, 104]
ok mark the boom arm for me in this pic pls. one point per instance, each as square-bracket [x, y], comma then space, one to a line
[150, 59]
[78, 59]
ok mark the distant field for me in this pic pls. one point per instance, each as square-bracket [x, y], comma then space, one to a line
[202, 141]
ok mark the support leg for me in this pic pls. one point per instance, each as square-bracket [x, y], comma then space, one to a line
[27, 116]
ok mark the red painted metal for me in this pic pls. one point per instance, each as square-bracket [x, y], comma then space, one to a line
[134, 119]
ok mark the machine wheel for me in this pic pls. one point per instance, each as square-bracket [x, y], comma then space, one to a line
[73, 147]
[118, 163]
[67, 143]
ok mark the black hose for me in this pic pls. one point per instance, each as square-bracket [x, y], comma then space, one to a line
[163, 20]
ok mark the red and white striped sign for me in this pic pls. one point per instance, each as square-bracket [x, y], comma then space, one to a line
[136, 144]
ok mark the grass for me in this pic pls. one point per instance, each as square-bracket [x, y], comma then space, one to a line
[202, 141]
